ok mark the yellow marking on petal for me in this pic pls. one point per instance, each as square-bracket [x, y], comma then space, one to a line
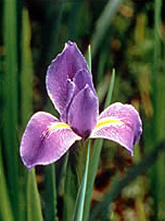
[59, 125]
[106, 122]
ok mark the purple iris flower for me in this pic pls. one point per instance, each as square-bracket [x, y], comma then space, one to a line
[70, 87]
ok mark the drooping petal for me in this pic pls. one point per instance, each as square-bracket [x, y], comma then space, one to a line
[83, 112]
[120, 123]
[45, 140]
[64, 67]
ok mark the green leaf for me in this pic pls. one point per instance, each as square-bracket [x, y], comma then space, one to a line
[33, 199]
[26, 70]
[10, 104]
[93, 167]
[111, 86]
[158, 97]
[26, 77]
[5, 205]
[89, 59]
[70, 191]
[50, 196]
[79, 206]
[101, 65]
[103, 24]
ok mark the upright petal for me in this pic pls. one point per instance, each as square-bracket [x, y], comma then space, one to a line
[64, 67]
[120, 123]
[45, 140]
[80, 80]
[83, 112]
[71, 87]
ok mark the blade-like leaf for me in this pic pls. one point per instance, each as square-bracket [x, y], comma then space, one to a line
[33, 199]
[157, 174]
[5, 205]
[70, 190]
[103, 24]
[93, 167]
[50, 194]
[26, 74]
[111, 86]
[79, 206]
[10, 104]
[26, 70]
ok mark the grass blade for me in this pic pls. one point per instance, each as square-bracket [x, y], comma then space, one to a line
[93, 166]
[26, 75]
[10, 104]
[79, 206]
[111, 86]
[103, 24]
[70, 191]
[50, 194]
[33, 199]
[157, 174]
[26, 70]
[89, 59]
[5, 205]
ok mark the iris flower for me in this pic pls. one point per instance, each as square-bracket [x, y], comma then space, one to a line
[70, 87]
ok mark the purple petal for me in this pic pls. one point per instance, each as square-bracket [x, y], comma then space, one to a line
[83, 78]
[120, 123]
[80, 80]
[83, 112]
[64, 67]
[71, 87]
[45, 140]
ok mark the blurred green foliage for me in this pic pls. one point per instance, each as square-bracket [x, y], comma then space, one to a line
[126, 35]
